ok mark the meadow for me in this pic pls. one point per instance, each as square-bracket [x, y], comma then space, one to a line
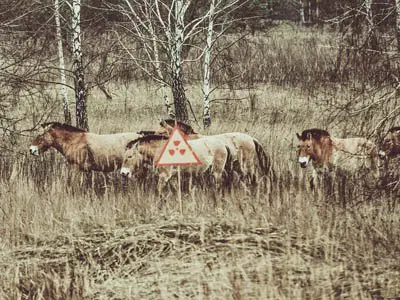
[63, 237]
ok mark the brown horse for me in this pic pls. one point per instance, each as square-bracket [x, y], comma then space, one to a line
[246, 151]
[328, 153]
[89, 151]
[391, 143]
[144, 150]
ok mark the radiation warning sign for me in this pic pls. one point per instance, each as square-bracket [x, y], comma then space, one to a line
[177, 152]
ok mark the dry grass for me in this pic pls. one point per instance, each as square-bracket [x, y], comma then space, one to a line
[66, 237]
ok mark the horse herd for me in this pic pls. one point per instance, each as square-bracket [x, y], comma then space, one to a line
[223, 155]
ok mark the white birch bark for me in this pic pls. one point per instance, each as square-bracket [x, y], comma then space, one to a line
[368, 9]
[398, 24]
[206, 67]
[372, 38]
[178, 90]
[176, 49]
[302, 13]
[157, 65]
[80, 95]
[63, 89]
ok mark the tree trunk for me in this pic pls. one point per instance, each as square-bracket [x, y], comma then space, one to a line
[207, 59]
[302, 12]
[372, 38]
[79, 78]
[180, 101]
[178, 90]
[157, 65]
[398, 24]
[63, 89]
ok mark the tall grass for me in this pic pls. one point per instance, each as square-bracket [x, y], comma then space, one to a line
[67, 236]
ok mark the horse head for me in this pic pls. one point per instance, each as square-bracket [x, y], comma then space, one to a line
[52, 131]
[140, 153]
[310, 146]
[168, 125]
[391, 143]
[43, 141]
[132, 157]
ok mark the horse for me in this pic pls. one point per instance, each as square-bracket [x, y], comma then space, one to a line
[391, 143]
[143, 151]
[246, 151]
[88, 151]
[331, 154]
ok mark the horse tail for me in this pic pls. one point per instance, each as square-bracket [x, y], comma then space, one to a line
[265, 161]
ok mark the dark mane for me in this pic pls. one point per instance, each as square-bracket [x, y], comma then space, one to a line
[394, 129]
[145, 139]
[315, 133]
[146, 132]
[62, 126]
[187, 129]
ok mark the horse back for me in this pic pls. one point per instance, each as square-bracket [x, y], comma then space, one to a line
[107, 150]
[355, 153]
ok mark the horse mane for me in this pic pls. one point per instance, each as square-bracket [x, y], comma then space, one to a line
[315, 133]
[67, 127]
[186, 128]
[146, 132]
[146, 139]
[394, 129]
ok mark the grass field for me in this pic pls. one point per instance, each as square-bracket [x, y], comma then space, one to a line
[64, 238]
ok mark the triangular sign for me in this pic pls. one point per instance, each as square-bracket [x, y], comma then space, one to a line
[177, 152]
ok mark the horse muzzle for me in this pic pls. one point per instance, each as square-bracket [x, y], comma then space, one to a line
[303, 161]
[382, 154]
[126, 172]
[34, 150]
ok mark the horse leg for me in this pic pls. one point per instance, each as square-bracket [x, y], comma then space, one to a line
[161, 183]
[314, 180]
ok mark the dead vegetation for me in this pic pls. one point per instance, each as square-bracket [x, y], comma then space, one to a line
[68, 236]
[182, 259]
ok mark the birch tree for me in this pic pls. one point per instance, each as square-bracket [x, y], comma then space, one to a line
[302, 13]
[63, 89]
[216, 8]
[372, 39]
[78, 68]
[178, 90]
[398, 24]
[207, 59]
[165, 33]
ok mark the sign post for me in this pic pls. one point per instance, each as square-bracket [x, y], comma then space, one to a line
[177, 152]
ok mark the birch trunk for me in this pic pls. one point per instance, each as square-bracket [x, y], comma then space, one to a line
[178, 91]
[206, 66]
[372, 38]
[302, 12]
[79, 78]
[63, 89]
[157, 65]
[398, 24]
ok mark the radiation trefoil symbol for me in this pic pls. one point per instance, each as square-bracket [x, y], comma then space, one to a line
[177, 152]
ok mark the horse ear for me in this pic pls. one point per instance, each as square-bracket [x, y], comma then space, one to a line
[309, 136]
[298, 136]
[48, 124]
